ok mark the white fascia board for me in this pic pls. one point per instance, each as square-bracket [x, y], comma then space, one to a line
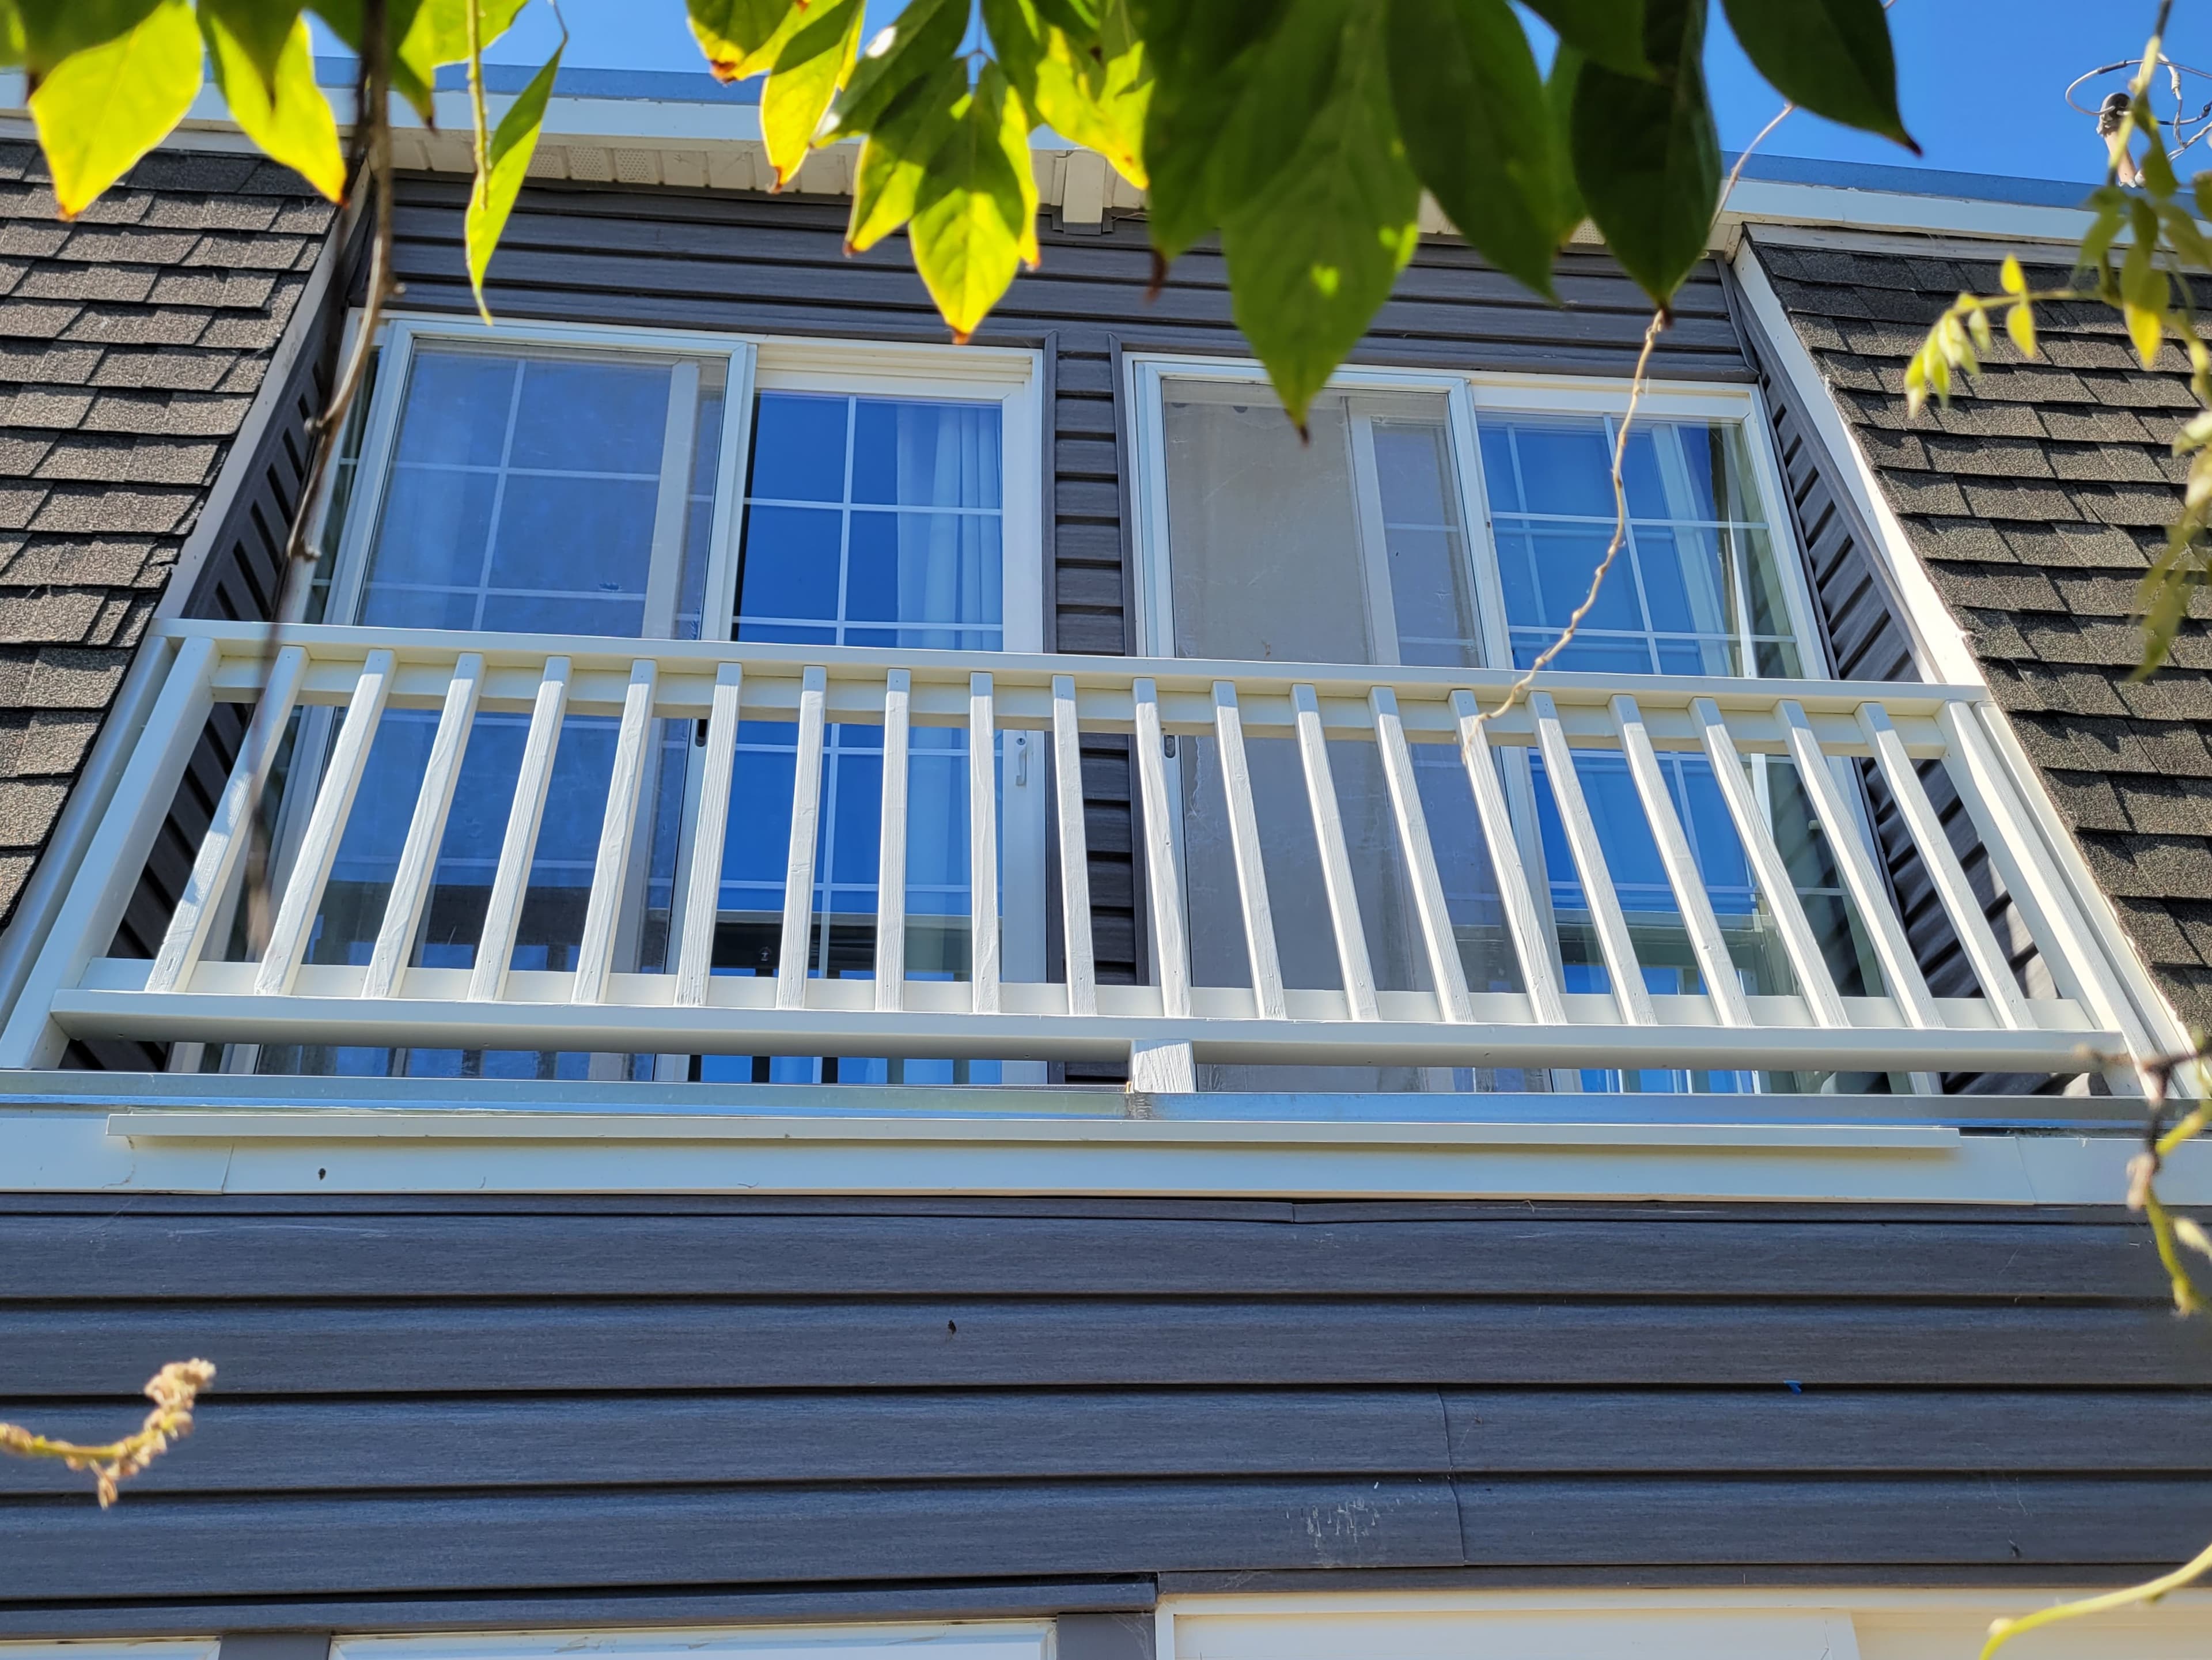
[78, 1147]
[1765, 201]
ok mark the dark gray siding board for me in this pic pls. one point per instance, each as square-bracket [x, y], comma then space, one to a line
[255, 1259]
[249, 1445]
[548, 1411]
[685, 1344]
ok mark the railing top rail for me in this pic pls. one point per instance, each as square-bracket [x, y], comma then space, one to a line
[243, 646]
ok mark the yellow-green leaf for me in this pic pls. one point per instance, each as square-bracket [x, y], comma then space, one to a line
[1091, 82]
[440, 33]
[104, 107]
[54, 29]
[1977, 325]
[12, 47]
[810, 68]
[2147, 328]
[2010, 277]
[294, 124]
[741, 37]
[2020, 323]
[411, 81]
[259, 31]
[493, 197]
[898, 58]
[888, 180]
[975, 216]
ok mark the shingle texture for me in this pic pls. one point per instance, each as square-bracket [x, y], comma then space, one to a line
[2036, 500]
[130, 344]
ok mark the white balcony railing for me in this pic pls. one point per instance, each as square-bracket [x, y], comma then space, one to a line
[185, 995]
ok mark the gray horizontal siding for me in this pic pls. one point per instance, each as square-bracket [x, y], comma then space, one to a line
[435, 1411]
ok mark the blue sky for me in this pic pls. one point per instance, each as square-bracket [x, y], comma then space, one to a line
[1981, 81]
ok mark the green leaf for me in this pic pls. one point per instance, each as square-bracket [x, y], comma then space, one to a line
[512, 145]
[104, 106]
[2203, 189]
[1567, 210]
[1092, 84]
[440, 32]
[810, 68]
[975, 217]
[1202, 54]
[1646, 158]
[1472, 113]
[741, 37]
[53, 29]
[410, 81]
[1291, 80]
[901, 56]
[1832, 57]
[887, 180]
[289, 119]
[1608, 32]
[2157, 171]
[11, 35]
[259, 31]
[1311, 258]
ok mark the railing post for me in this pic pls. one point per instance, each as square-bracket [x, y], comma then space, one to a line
[109, 874]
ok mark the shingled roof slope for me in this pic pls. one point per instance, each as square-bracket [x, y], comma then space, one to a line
[131, 343]
[2036, 500]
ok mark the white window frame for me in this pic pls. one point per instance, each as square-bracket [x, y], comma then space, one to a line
[1007, 1639]
[1467, 397]
[1013, 376]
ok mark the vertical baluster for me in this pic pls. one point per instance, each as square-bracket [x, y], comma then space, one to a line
[595, 955]
[792, 954]
[1074, 848]
[1244, 844]
[890, 858]
[1335, 858]
[1992, 966]
[1170, 941]
[1429, 902]
[1806, 960]
[1862, 879]
[426, 830]
[982, 848]
[702, 904]
[326, 823]
[1516, 890]
[230, 829]
[1630, 993]
[1721, 984]
[510, 882]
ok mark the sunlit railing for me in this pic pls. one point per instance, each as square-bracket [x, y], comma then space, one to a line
[185, 994]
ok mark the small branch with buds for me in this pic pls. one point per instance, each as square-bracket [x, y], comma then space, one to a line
[172, 1390]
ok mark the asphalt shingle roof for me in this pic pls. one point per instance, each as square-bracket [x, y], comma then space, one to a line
[131, 343]
[2036, 500]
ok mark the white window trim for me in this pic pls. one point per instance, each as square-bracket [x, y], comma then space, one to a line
[1013, 375]
[971, 1641]
[1780, 1623]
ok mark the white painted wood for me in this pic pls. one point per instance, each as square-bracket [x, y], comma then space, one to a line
[230, 829]
[1245, 847]
[1806, 960]
[319, 847]
[1336, 859]
[595, 954]
[510, 883]
[794, 953]
[1445, 969]
[426, 831]
[982, 846]
[1163, 870]
[664, 574]
[1718, 968]
[1161, 1069]
[695, 955]
[1516, 890]
[1074, 848]
[1630, 995]
[87, 920]
[1861, 877]
[1992, 965]
[891, 859]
